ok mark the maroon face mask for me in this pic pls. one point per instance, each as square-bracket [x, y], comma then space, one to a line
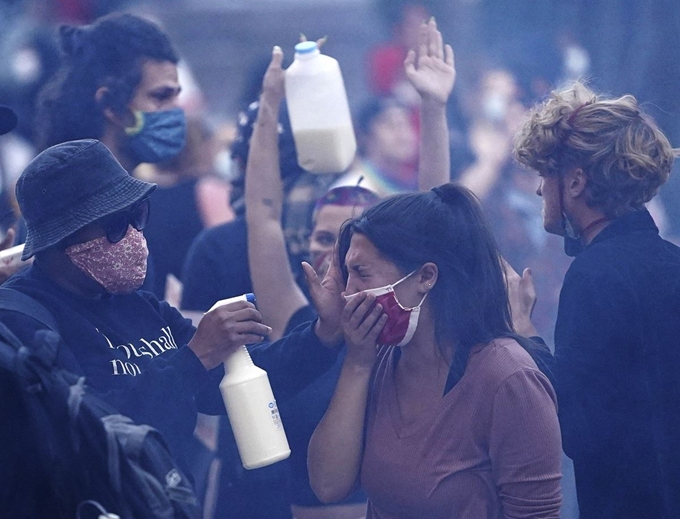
[119, 267]
[401, 322]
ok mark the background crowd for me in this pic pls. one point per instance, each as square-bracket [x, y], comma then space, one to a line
[508, 56]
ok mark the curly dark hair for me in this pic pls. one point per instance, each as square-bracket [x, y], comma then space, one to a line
[623, 154]
[109, 53]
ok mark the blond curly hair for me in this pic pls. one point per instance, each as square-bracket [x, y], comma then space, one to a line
[622, 152]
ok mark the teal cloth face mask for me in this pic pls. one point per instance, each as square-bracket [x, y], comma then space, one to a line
[157, 136]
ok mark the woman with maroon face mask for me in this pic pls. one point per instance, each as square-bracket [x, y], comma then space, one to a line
[439, 412]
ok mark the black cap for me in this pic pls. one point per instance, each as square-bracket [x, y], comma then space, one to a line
[69, 186]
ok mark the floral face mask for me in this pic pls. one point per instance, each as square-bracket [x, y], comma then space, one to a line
[119, 267]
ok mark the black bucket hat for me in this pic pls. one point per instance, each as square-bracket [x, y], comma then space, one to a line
[69, 186]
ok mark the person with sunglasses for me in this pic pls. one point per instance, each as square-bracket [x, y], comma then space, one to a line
[84, 217]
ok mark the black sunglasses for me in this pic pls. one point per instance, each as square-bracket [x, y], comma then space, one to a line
[116, 224]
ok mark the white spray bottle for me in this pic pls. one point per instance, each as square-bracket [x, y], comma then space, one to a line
[252, 409]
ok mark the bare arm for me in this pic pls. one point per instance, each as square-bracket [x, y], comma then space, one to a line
[336, 448]
[432, 73]
[278, 295]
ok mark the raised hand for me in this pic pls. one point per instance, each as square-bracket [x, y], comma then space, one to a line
[431, 70]
[327, 297]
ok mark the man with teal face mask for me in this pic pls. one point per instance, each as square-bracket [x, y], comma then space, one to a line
[118, 84]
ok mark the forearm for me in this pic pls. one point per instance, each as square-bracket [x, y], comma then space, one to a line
[263, 186]
[274, 285]
[336, 447]
[435, 160]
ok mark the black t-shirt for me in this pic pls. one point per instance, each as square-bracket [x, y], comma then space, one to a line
[216, 266]
[174, 224]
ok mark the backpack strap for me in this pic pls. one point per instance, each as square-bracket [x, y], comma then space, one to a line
[45, 343]
[16, 301]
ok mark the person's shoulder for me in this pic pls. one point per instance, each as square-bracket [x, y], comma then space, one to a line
[218, 243]
[501, 359]
[216, 235]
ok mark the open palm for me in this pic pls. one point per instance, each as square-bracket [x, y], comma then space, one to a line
[431, 71]
[327, 293]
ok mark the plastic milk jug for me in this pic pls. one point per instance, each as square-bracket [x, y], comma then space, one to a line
[252, 410]
[319, 111]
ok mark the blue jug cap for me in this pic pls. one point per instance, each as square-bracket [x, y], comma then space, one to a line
[305, 47]
[250, 297]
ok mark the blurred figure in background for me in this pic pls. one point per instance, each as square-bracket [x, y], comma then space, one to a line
[388, 149]
[508, 193]
[8, 209]
[190, 197]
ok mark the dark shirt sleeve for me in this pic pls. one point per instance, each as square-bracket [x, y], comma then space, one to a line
[292, 363]
[303, 315]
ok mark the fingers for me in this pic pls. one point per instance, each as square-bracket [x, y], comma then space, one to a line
[359, 310]
[449, 57]
[423, 38]
[232, 307]
[528, 282]
[361, 316]
[352, 303]
[244, 328]
[372, 335]
[410, 62]
[369, 325]
[310, 275]
[277, 57]
[237, 318]
[435, 43]
[247, 314]
[508, 271]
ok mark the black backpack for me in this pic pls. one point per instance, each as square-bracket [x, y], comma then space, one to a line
[78, 457]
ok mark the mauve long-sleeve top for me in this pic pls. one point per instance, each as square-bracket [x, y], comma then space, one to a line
[490, 449]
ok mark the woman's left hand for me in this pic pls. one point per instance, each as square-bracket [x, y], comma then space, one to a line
[431, 71]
